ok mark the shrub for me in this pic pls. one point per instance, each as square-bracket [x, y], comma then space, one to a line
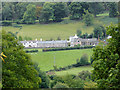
[84, 75]
[84, 59]
[61, 85]
[73, 82]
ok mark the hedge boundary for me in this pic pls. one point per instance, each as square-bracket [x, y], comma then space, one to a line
[31, 51]
[67, 48]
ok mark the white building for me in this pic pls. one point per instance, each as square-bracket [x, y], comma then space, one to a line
[44, 44]
[75, 40]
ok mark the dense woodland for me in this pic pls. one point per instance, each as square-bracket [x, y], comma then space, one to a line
[45, 12]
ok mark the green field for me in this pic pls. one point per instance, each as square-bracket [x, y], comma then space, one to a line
[62, 58]
[74, 71]
[62, 30]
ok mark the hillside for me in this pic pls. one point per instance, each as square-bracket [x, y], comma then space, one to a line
[62, 29]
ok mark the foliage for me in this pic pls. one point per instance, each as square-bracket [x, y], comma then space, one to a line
[77, 9]
[46, 12]
[20, 9]
[84, 74]
[54, 80]
[20, 38]
[84, 59]
[96, 8]
[31, 51]
[14, 35]
[90, 84]
[61, 85]
[79, 32]
[44, 78]
[99, 32]
[106, 60]
[113, 9]
[60, 10]
[73, 82]
[67, 48]
[7, 11]
[84, 36]
[30, 14]
[18, 71]
[88, 18]
[38, 11]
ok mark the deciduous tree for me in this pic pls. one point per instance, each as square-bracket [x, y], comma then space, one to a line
[30, 14]
[106, 60]
[18, 70]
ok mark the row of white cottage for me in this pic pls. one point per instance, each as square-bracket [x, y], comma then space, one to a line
[73, 40]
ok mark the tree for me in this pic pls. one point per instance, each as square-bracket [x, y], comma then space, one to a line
[85, 35]
[38, 11]
[73, 82]
[84, 59]
[45, 79]
[79, 32]
[90, 35]
[18, 70]
[77, 9]
[106, 60]
[46, 12]
[7, 11]
[98, 32]
[20, 9]
[88, 18]
[96, 8]
[113, 9]
[60, 10]
[30, 14]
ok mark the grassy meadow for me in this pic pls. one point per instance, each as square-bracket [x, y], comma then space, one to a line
[61, 29]
[62, 58]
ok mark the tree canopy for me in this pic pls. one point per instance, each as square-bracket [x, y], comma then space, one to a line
[18, 70]
[30, 14]
[106, 60]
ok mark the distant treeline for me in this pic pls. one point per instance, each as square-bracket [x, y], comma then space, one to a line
[45, 12]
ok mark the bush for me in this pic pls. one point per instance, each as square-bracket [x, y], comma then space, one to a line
[84, 59]
[73, 82]
[61, 85]
[84, 75]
